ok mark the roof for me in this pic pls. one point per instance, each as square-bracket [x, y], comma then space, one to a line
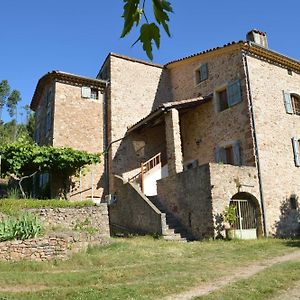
[250, 48]
[182, 104]
[203, 52]
[66, 77]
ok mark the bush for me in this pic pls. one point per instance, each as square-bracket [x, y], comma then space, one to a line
[23, 227]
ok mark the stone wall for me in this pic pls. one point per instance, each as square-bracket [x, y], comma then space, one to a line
[187, 196]
[133, 211]
[59, 245]
[199, 195]
[68, 218]
[56, 246]
[275, 129]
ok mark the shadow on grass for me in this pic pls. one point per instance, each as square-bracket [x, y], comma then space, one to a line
[293, 243]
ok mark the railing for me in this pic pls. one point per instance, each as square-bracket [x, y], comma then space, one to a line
[146, 167]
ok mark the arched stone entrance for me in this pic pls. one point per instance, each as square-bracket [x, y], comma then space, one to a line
[249, 222]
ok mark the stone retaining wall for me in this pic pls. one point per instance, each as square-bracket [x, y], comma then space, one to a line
[60, 245]
[97, 217]
[48, 247]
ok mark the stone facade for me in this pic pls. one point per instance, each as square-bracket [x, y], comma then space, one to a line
[275, 130]
[150, 109]
[64, 118]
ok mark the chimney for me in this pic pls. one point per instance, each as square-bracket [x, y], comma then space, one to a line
[257, 37]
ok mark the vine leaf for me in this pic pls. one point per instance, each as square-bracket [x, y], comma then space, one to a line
[160, 9]
[132, 14]
[149, 33]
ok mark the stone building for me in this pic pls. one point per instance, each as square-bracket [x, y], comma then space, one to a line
[68, 113]
[186, 139]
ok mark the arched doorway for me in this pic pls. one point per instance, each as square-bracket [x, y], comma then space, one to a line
[248, 224]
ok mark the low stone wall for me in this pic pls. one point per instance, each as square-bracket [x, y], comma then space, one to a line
[69, 218]
[56, 246]
[133, 211]
[60, 245]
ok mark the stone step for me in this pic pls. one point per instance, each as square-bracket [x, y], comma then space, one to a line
[174, 238]
[173, 230]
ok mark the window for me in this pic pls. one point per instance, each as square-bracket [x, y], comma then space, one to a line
[293, 202]
[94, 94]
[223, 101]
[230, 154]
[296, 147]
[89, 93]
[230, 95]
[191, 164]
[292, 103]
[201, 73]
[85, 92]
[48, 97]
[48, 123]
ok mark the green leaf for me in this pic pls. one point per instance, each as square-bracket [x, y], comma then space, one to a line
[148, 33]
[160, 9]
[132, 14]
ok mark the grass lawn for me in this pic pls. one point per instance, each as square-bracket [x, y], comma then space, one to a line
[264, 285]
[135, 268]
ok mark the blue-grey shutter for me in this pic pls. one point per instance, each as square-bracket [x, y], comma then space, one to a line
[203, 72]
[236, 147]
[218, 155]
[234, 94]
[86, 92]
[288, 102]
[295, 142]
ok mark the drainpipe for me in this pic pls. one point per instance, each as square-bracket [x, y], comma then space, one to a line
[260, 180]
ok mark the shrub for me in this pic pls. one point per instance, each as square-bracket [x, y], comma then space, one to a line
[23, 227]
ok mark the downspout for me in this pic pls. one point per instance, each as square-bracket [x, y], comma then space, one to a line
[260, 180]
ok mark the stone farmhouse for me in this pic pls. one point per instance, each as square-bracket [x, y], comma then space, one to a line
[182, 141]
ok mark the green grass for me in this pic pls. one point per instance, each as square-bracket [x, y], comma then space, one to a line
[10, 206]
[264, 285]
[134, 268]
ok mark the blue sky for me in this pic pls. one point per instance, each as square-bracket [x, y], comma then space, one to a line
[75, 36]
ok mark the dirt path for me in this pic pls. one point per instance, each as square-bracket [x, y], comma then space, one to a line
[240, 273]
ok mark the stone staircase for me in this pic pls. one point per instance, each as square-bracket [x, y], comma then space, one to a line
[172, 228]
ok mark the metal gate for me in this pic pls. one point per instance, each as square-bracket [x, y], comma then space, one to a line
[246, 223]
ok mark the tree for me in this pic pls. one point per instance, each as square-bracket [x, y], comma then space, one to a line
[21, 160]
[4, 93]
[12, 101]
[149, 32]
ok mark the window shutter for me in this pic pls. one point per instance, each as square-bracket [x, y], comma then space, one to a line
[295, 142]
[288, 102]
[237, 153]
[234, 93]
[86, 92]
[218, 155]
[203, 72]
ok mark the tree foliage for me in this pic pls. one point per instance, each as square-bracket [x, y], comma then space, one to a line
[22, 157]
[4, 93]
[149, 32]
